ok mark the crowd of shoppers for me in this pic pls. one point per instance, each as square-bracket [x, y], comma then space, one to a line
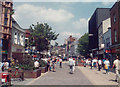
[105, 64]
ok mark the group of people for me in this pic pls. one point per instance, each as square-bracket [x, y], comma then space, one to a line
[105, 64]
[5, 64]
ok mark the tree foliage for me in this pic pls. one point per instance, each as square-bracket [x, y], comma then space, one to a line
[56, 44]
[41, 35]
[83, 45]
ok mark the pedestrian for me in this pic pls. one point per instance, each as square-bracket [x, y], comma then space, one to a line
[6, 65]
[60, 60]
[54, 65]
[71, 64]
[103, 65]
[77, 60]
[84, 62]
[36, 64]
[116, 65]
[95, 62]
[99, 64]
[2, 66]
[9, 61]
[48, 64]
[91, 62]
[107, 64]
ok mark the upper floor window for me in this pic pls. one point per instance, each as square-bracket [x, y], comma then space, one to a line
[114, 18]
[21, 39]
[15, 37]
[115, 35]
[5, 21]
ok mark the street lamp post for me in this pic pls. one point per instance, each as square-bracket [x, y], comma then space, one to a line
[91, 35]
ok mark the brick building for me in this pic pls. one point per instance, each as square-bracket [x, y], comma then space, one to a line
[6, 11]
[115, 29]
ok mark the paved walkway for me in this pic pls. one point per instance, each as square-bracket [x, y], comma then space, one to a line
[62, 77]
[81, 76]
[98, 77]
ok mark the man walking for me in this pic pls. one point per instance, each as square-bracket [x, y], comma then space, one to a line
[60, 60]
[116, 64]
[99, 64]
[71, 64]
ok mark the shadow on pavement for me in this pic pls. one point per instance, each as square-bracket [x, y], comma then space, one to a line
[112, 80]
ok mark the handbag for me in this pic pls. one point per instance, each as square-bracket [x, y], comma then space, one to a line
[106, 67]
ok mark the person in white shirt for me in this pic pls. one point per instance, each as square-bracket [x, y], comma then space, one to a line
[6, 65]
[36, 64]
[107, 64]
[71, 64]
[116, 64]
[99, 64]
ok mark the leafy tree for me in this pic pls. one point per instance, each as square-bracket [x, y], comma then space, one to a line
[56, 44]
[41, 35]
[83, 45]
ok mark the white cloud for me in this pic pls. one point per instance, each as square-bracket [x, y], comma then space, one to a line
[81, 24]
[106, 3]
[36, 13]
[67, 34]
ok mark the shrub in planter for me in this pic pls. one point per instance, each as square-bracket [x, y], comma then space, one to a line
[42, 63]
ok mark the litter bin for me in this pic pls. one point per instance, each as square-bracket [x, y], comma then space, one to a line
[4, 77]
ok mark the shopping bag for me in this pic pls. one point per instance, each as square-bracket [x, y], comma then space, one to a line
[106, 67]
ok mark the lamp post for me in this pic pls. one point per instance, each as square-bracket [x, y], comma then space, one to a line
[91, 35]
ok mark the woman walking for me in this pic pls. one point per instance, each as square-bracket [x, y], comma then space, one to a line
[107, 64]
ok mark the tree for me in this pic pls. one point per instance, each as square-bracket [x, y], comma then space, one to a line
[41, 35]
[83, 45]
[56, 43]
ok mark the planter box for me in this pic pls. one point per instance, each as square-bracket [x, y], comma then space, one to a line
[32, 73]
[43, 69]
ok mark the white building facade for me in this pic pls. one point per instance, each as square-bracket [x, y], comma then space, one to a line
[18, 40]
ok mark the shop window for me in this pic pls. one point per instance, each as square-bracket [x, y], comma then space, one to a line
[5, 21]
[114, 18]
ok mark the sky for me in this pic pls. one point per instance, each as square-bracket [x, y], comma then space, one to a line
[65, 18]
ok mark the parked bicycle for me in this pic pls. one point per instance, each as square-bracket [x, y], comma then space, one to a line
[16, 75]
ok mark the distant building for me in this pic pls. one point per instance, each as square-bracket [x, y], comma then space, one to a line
[57, 51]
[73, 48]
[6, 10]
[18, 41]
[98, 16]
[69, 42]
[115, 29]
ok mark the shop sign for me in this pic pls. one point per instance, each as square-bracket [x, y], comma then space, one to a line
[4, 51]
[114, 51]
[107, 51]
